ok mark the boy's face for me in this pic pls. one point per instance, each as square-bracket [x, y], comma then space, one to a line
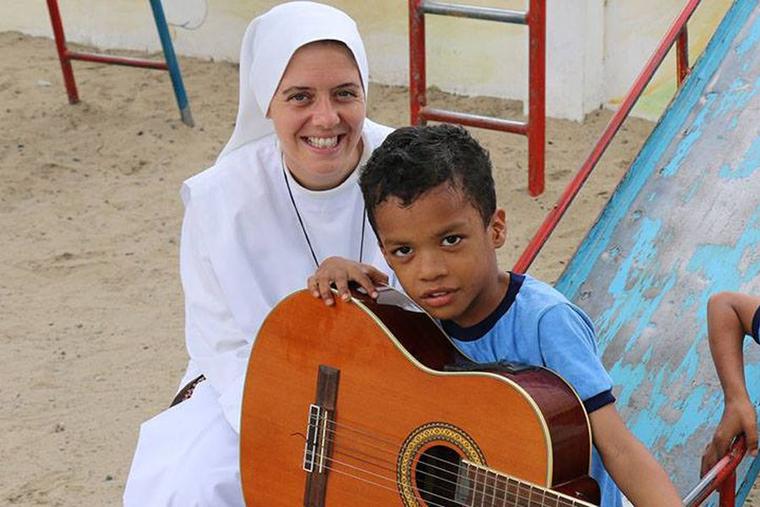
[443, 255]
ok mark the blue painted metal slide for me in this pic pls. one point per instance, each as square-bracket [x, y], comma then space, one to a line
[683, 224]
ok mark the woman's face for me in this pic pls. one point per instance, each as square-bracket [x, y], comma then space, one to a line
[318, 111]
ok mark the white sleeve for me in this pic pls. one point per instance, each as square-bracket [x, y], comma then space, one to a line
[215, 341]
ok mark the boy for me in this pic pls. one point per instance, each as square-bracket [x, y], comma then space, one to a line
[730, 317]
[430, 198]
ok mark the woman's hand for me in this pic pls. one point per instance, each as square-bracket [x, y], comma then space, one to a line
[339, 272]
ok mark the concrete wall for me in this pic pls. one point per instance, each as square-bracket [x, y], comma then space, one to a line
[595, 48]
[632, 31]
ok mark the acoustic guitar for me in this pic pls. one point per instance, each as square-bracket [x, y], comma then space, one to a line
[368, 403]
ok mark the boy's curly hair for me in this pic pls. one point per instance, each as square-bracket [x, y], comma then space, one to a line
[413, 160]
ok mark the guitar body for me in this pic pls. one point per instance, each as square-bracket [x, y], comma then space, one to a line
[391, 427]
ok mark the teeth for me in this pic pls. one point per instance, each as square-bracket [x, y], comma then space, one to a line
[322, 142]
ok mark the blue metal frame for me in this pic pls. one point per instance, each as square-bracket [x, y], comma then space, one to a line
[172, 63]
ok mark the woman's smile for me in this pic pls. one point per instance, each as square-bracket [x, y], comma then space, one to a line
[322, 142]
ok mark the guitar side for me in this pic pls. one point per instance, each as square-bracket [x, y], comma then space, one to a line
[394, 408]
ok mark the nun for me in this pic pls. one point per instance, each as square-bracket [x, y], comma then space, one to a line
[281, 198]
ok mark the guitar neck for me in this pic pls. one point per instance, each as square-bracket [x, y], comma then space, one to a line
[479, 486]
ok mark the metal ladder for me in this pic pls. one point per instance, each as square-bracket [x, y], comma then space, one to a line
[535, 127]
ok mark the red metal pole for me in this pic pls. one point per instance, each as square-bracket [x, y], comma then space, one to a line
[682, 55]
[117, 60]
[727, 491]
[417, 82]
[721, 477]
[63, 56]
[536, 96]
[550, 223]
[474, 120]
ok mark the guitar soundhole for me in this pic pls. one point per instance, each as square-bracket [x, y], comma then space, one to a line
[436, 476]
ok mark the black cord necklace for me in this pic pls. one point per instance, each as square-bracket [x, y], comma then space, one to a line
[303, 227]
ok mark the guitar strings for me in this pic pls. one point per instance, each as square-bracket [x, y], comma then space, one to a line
[395, 482]
[476, 483]
[346, 451]
[394, 453]
[339, 450]
[505, 495]
[508, 497]
[389, 488]
[391, 452]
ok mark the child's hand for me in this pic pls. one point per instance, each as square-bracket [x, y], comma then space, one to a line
[340, 271]
[738, 417]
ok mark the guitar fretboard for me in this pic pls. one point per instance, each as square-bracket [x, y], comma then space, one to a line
[479, 486]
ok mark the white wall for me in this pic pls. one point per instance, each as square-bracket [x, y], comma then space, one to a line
[632, 31]
[574, 52]
[595, 48]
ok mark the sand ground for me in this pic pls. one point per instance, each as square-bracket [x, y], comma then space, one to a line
[91, 318]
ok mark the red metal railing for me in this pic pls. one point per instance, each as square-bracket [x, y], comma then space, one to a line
[535, 127]
[721, 478]
[676, 31]
[682, 55]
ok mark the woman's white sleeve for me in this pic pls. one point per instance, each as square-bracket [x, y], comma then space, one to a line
[215, 342]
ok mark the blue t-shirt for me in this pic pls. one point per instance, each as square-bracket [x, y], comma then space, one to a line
[536, 325]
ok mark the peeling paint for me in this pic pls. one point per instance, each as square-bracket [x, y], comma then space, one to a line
[683, 224]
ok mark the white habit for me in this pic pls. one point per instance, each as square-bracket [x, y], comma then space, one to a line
[242, 251]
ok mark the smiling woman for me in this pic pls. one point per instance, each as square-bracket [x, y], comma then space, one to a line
[318, 112]
[281, 198]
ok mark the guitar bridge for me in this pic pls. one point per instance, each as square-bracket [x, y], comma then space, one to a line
[318, 449]
[312, 437]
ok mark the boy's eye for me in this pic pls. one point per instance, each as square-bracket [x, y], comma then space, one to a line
[402, 251]
[451, 240]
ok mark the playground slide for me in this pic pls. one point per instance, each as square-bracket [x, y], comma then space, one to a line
[683, 224]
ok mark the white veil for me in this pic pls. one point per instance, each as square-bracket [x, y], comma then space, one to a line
[269, 42]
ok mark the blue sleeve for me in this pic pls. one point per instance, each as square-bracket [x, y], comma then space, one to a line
[568, 346]
[756, 325]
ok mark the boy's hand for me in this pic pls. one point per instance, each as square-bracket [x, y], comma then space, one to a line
[738, 417]
[340, 271]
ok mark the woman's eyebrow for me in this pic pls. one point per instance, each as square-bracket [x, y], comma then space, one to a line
[350, 84]
[292, 89]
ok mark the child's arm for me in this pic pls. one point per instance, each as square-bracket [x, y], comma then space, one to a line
[568, 347]
[340, 271]
[729, 320]
[641, 479]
